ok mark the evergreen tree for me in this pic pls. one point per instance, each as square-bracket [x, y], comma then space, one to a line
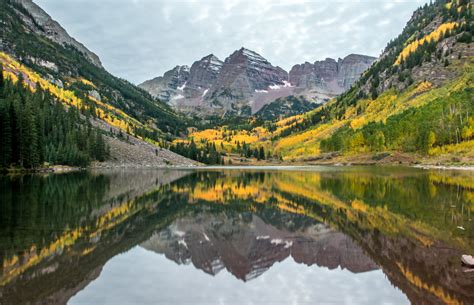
[15, 141]
[261, 153]
[100, 150]
[35, 128]
[2, 79]
[6, 135]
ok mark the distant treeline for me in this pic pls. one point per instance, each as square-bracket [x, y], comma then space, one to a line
[36, 129]
[207, 154]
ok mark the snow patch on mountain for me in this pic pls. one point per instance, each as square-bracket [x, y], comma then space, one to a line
[277, 241]
[178, 97]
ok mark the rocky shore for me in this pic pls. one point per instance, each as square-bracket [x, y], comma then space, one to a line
[135, 153]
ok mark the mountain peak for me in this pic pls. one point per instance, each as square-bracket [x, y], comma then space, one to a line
[41, 23]
[250, 54]
[183, 68]
[212, 61]
[210, 56]
[246, 81]
[330, 76]
[359, 57]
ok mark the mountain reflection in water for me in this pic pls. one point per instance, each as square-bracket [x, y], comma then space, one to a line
[389, 235]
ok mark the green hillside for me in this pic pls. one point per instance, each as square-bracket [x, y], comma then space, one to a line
[23, 39]
[418, 97]
[35, 128]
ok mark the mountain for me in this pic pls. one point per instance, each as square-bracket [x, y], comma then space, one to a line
[244, 74]
[38, 51]
[247, 246]
[167, 86]
[285, 107]
[414, 104]
[406, 102]
[204, 74]
[329, 78]
[246, 81]
[185, 88]
[32, 38]
[39, 22]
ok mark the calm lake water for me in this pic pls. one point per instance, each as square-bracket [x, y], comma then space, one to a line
[256, 236]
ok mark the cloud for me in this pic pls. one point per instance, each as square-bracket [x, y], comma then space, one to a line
[143, 277]
[140, 39]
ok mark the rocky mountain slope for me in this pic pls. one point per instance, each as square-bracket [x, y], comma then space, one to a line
[38, 21]
[246, 81]
[285, 107]
[184, 87]
[243, 74]
[407, 101]
[35, 40]
[203, 75]
[414, 104]
[328, 78]
[167, 86]
[38, 50]
[249, 248]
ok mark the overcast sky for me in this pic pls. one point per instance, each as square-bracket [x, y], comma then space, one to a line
[140, 276]
[141, 39]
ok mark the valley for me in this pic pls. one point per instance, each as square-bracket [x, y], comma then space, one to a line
[320, 153]
[413, 104]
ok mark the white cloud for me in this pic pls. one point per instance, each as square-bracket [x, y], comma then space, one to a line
[140, 39]
[143, 277]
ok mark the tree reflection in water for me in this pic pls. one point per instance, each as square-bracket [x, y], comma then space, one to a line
[58, 231]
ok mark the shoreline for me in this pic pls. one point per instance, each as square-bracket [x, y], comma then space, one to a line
[271, 166]
[446, 167]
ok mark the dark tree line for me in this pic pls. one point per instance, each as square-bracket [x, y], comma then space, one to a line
[207, 154]
[35, 128]
[246, 151]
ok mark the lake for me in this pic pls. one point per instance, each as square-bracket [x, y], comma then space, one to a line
[310, 235]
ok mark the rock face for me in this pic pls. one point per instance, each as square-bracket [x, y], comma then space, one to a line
[240, 85]
[285, 107]
[247, 246]
[203, 75]
[351, 68]
[136, 153]
[329, 77]
[183, 87]
[245, 82]
[243, 74]
[42, 24]
[170, 86]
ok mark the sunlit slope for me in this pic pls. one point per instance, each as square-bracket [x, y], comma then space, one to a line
[30, 47]
[299, 137]
[434, 36]
[416, 98]
[306, 144]
[87, 104]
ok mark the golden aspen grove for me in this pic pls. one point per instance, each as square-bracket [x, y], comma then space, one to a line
[236, 152]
